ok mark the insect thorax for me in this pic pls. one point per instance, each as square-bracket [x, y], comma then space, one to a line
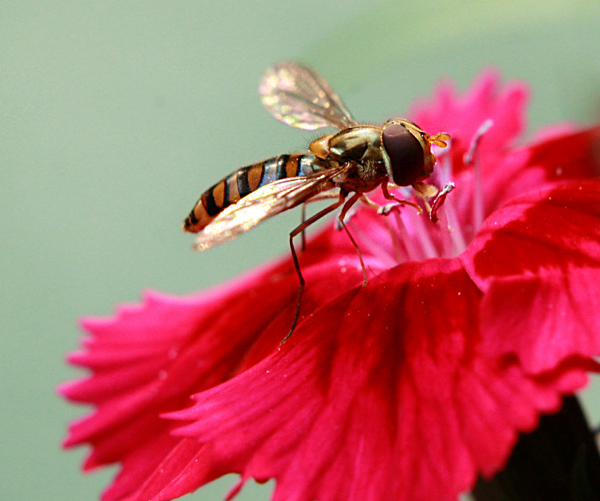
[363, 176]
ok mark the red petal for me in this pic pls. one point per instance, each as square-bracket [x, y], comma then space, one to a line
[382, 394]
[150, 359]
[505, 173]
[405, 389]
[462, 117]
[543, 165]
[538, 262]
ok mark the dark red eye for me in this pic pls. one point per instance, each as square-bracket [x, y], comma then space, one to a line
[406, 154]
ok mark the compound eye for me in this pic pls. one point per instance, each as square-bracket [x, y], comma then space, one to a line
[407, 158]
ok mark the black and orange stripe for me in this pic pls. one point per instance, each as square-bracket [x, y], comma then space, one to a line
[241, 183]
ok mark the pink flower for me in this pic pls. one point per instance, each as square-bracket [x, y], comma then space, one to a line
[405, 389]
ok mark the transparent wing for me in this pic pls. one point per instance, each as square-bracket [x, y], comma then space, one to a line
[299, 97]
[262, 204]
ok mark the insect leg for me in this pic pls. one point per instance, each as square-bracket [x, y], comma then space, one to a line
[351, 201]
[384, 210]
[348, 216]
[324, 195]
[302, 234]
[387, 208]
[369, 203]
[296, 231]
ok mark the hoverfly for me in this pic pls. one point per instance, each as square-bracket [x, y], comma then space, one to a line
[345, 165]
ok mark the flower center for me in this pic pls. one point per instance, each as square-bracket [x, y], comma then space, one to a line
[415, 237]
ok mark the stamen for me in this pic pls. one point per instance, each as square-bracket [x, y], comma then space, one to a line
[452, 226]
[422, 235]
[439, 201]
[446, 236]
[483, 128]
[472, 158]
[406, 239]
[449, 222]
[400, 254]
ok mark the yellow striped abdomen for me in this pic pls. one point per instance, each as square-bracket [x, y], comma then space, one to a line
[231, 189]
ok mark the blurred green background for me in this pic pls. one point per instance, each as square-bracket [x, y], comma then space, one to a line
[114, 116]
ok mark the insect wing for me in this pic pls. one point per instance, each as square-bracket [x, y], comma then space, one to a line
[262, 204]
[299, 97]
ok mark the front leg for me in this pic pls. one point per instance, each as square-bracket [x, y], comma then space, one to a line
[386, 209]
